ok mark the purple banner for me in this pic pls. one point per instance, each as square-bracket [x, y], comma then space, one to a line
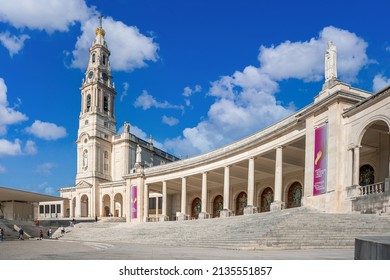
[320, 159]
[133, 202]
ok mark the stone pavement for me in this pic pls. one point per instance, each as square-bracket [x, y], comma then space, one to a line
[81, 250]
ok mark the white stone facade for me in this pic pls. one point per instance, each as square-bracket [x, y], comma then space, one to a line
[273, 169]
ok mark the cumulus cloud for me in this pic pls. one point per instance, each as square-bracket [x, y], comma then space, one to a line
[46, 130]
[8, 116]
[380, 82]
[147, 101]
[305, 60]
[13, 43]
[245, 101]
[130, 49]
[45, 168]
[125, 89]
[30, 148]
[171, 121]
[8, 148]
[47, 15]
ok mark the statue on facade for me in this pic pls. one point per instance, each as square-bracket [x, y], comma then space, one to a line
[126, 127]
[85, 159]
[331, 62]
[138, 158]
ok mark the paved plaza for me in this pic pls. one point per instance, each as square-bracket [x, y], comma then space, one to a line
[81, 250]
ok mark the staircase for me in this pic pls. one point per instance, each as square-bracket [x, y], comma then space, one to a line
[299, 228]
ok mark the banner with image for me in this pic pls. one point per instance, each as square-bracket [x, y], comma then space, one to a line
[320, 159]
[133, 202]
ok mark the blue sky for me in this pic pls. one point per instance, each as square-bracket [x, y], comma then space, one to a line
[195, 74]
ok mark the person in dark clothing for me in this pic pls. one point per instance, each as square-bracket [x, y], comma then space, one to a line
[21, 232]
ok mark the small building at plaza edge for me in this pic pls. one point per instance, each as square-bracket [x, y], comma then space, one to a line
[332, 155]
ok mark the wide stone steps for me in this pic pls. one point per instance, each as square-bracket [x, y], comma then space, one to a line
[288, 229]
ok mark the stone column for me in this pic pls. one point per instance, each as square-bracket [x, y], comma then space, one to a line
[112, 204]
[182, 215]
[157, 206]
[356, 163]
[146, 203]
[250, 209]
[164, 216]
[278, 204]
[78, 205]
[204, 214]
[71, 214]
[226, 192]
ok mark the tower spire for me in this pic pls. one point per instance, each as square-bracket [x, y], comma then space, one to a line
[100, 30]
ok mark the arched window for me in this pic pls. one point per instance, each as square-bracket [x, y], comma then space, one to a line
[93, 58]
[366, 175]
[294, 195]
[267, 197]
[196, 207]
[105, 103]
[88, 102]
[241, 203]
[217, 205]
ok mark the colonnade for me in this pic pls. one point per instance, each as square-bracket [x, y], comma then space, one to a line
[227, 211]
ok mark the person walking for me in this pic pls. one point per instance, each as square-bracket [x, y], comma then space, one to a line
[21, 232]
[49, 233]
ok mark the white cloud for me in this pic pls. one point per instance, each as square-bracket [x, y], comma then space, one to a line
[125, 89]
[245, 101]
[45, 168]
[13, 43]
[380, 82]
[8, 148]
[188, 91]
[147, 101]
[48, 15]
[130, 49]
[305, 60]
[30, 148]
[2, 169]
[46, 130]
[8, 116]
[171, 121]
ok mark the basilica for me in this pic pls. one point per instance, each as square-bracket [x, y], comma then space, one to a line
[332, 155]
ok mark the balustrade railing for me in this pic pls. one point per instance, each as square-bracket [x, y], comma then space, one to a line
[372, 189]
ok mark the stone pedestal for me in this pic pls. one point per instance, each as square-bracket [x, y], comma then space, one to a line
[181, 217]
[249, 210]
[163, 218]
[277, 205]
[225, 213]
[203, 215]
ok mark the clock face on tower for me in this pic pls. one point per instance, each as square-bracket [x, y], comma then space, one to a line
[90, 74]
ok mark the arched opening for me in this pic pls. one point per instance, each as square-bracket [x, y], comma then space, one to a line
[196, 208]
[241, 203]
[93, 58]
[84, 205]
[294, 195]
[267, 197]
[106, 205]
[366, 175]
[374, 154]
[88, 102]
[118, 202]
[217, 206]
[105, 103]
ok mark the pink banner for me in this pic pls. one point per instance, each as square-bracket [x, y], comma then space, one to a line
[320, 159]
[133, 202]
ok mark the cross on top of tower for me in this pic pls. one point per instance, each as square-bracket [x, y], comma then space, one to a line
[100, 30]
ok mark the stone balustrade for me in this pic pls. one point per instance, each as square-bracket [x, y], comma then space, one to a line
[372, 189]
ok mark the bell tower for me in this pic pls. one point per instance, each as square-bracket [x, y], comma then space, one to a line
[97, 123]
